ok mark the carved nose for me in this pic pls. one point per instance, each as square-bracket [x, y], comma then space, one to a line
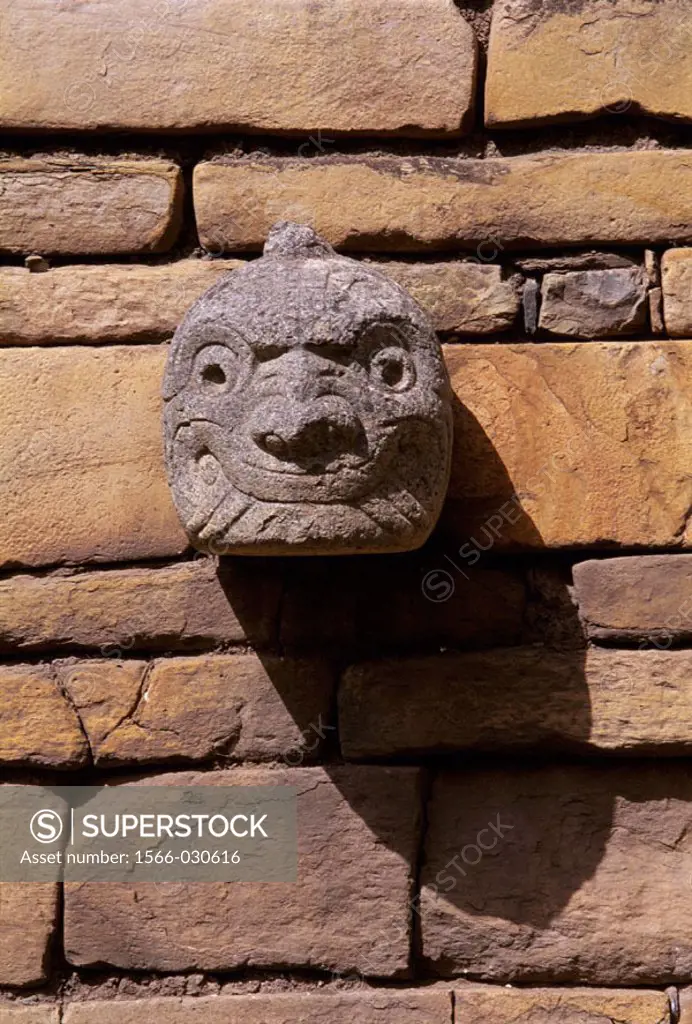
[313, 435]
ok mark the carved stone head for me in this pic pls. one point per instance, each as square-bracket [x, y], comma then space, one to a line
[307, 408]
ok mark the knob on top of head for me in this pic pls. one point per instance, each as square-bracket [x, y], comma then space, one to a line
[299, 240]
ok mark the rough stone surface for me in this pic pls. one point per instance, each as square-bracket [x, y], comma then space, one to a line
[101, 304]
[594, 303]
[366, 203]
[330, 919]
[28, 915]
[77, 485]
[559, 1005]
[135, 302]
[231, 707]
[37, 724]
[685, 1001]
[645, 599]
[374, 1006]
[544, 433]
[14, 1013]
[579, 880]
[676, 283]
[619, 701]
[553, 61]
[87, 205]
[189, 605]
[463, 298]
[365, 66]
[307, 409]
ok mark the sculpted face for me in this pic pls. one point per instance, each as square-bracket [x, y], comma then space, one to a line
[307, 409]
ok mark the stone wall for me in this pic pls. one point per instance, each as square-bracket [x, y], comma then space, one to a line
[490, 736]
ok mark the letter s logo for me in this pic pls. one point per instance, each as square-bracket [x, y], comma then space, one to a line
[46, 826]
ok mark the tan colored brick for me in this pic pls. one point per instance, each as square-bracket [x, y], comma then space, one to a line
[372, 1006]
[563, 874]
[607, 700]
[362, 66]
[37, 725]
[28, 915]
[550, 62]
[135, 302]
[543, 433]
[494, 1003]
[462, 298]
[232, 706]
[329, 919]
[547, 435]
[647, 599]
[422, 203]
[38, 1013]
[81, 463]
[188, 605]
[98, 304]
[89, 205]
[676, 282]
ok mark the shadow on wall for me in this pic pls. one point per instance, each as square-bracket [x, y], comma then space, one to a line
[373, 606]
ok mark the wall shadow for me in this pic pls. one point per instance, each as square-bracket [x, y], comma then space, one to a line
[482, 597]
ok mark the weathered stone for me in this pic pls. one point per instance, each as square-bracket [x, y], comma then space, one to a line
[463, 298]
[546, 435]
[329, 919]
[385, 203]
[37, 724]
[367, 1006]
[645, 599]
[363, 66]
[685, 1006]
[99, 304]
[559, 1005]
[233, 707]
[553, 61]
[37, 1013]
[594, 259]
[85, 205]
[530, 297]
[559, 873]
[594, 303]
[676, 282]
[307, 409]
[188, 605]
[656, 311]
[135, 302]
[621, 701]
[77, 484]
[28, 915]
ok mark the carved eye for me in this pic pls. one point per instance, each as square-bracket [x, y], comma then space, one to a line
[393, 368]
[216, 368]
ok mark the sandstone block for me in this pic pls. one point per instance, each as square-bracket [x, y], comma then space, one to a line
[78, 485]
[676, 284]
[98, 304]
[134, 302]
[552, 62]
[88, 205]
[329, 919]
[607, 700]
[397, 204]
[563, 874]
[233, 707]
[461, 298]
[28, 916]
[188, 605]
[594, 303]
[365, 66]
[546, 434]
[37, 724]
[644, 599]
[372, 1006]
[559, 1005]
[42, 1013]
